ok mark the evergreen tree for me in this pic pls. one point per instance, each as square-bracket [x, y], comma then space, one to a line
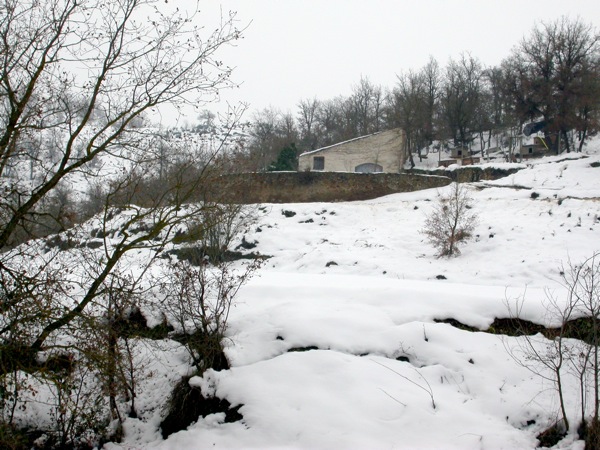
[286, 160]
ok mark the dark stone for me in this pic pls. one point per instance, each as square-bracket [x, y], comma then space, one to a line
[551, 436]
[303, 349]
[197, 255]
[94, 244]
[456, 324]
[246, 245]
[188, 404]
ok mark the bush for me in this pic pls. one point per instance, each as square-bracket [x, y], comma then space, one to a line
[451, 222]
[197, 300]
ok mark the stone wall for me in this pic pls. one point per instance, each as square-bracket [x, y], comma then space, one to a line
[301, 187]
[468, 174]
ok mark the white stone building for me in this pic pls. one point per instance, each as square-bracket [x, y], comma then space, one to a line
[378, 152]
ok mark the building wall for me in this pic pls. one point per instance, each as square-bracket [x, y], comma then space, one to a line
[532, 150]
[383, 149]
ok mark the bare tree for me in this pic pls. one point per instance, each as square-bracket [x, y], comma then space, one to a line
[583, 284]
[307, 123]
[367, 102]
[271, 130]
[328, 120]
[84, 74]
[406, 110]
[551, 76]
[413, 105]
[289, 130]
[461, 98]
[498, 109]
[76, 82]
[343, 118]
[432, 84]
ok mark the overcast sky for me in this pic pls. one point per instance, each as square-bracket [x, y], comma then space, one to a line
[298, 49]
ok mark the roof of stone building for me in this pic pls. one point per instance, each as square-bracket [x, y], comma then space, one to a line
[345, 142]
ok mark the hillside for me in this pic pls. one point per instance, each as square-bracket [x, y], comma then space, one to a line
[337, 342]
[352, 334]
[150, 298]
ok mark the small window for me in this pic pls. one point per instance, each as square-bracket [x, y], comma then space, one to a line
[319, 163]
[530, 150]
[459, 152]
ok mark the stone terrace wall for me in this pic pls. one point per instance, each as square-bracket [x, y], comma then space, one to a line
[469, 174]
[302, 187]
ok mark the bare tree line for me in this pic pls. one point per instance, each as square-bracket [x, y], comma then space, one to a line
[551, 75]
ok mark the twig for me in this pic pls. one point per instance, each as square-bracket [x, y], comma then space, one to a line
[393, 398]
[429, 390]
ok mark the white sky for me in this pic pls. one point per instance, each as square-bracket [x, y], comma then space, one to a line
[298, 49]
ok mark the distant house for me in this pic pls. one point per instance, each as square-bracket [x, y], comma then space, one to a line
[538, 148]
[462, 156]
[459, 152]
[377, 152]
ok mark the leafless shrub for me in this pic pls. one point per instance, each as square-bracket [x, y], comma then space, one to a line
[451, 223]
[221, 224]
[198, 300]
[78, 408]
[571, 350]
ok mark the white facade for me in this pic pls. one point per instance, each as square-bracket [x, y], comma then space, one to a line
[378, 152]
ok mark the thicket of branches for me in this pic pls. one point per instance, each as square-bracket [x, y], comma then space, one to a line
[77, 82]
[552, 75]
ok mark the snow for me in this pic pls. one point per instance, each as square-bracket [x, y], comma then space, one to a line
[335, 343]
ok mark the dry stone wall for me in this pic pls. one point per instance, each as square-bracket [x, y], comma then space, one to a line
[468, 174]
[302, 187]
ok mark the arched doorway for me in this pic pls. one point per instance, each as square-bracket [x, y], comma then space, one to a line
[368, 168]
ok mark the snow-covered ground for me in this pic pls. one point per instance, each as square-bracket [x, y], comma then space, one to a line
[334, 343]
